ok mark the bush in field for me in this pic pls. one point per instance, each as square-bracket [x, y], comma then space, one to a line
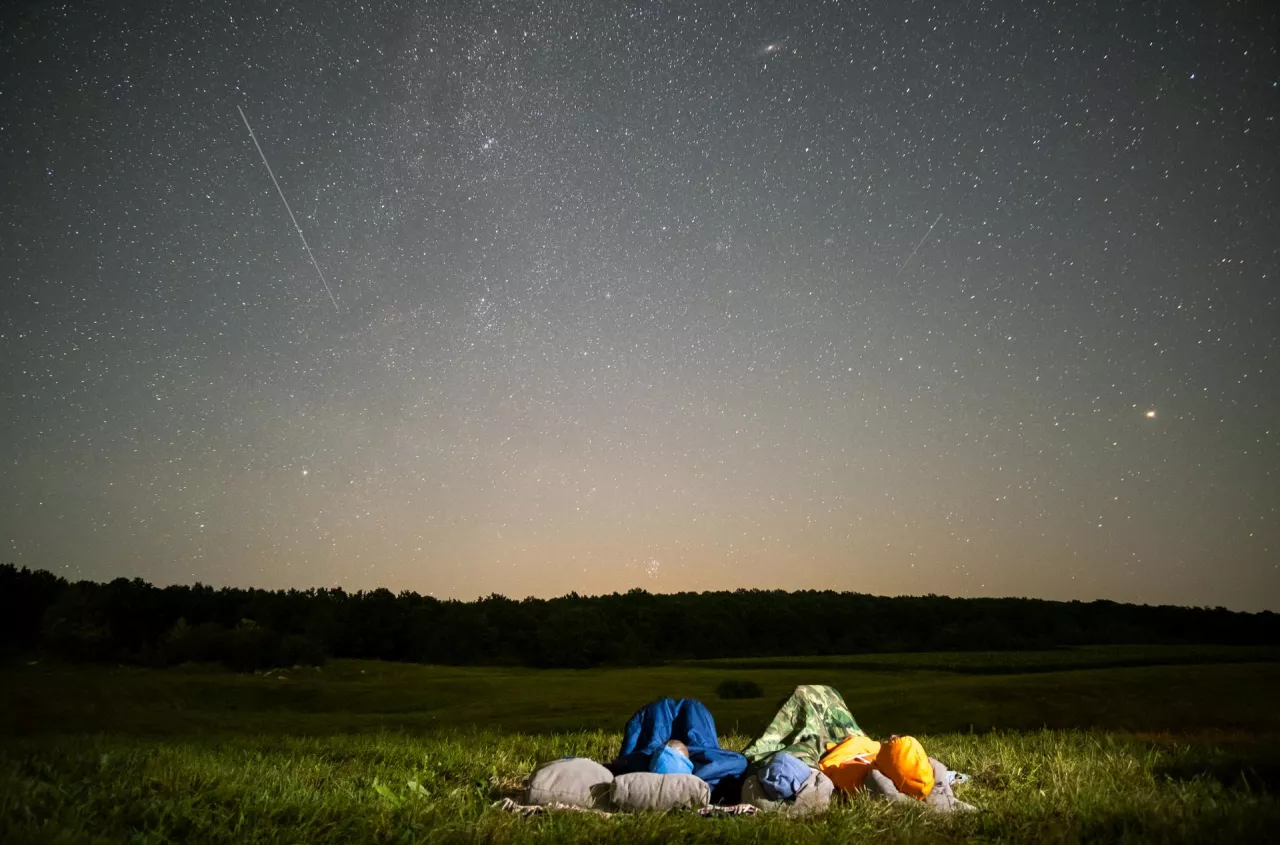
[739, 689]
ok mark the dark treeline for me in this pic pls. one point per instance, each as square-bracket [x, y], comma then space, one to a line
[133, 621]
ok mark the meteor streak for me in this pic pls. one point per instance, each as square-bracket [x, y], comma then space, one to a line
[307, 246]
[909, 257]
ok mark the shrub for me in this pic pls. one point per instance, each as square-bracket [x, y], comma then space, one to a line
[736, 688]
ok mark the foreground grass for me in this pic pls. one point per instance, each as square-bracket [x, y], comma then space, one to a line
[1044, 786]
[367, 752]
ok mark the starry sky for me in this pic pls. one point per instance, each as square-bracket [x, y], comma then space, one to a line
[968, 298]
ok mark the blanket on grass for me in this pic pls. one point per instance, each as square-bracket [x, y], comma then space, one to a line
[510, 805]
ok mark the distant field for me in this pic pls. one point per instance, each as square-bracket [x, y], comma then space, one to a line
[1016, 662]
[1175, 690]
[1073, 745]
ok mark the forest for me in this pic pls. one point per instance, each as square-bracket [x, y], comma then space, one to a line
[132, 621]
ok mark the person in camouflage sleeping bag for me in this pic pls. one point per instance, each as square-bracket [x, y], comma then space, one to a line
[811, 719]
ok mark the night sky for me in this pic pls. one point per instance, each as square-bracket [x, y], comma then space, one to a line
[968, 298]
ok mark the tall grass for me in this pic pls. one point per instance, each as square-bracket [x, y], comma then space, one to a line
[394, 787]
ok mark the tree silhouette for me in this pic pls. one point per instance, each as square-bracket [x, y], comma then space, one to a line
[131, 620]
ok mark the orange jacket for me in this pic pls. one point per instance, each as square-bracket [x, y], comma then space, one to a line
[848, 761]
[902, 759]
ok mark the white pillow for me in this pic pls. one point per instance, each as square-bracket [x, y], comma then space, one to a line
[575, 781]
[652, 791]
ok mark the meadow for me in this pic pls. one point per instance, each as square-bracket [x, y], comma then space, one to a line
[1099, 744]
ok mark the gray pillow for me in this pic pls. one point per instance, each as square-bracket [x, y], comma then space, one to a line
[575, 781]
[652, 791]
[813, 797]
[881, 786]
[753, 793]
[941, 799]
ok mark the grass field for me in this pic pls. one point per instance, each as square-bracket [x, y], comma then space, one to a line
[1115, 744]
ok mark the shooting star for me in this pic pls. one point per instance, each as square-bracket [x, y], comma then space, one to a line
[307, 246]
[913, 252]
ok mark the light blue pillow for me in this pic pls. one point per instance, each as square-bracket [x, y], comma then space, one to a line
[668, 761]
[783, 777]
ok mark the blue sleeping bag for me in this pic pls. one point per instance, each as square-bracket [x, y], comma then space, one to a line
[690, 722]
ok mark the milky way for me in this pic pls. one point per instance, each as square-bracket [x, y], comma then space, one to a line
[627, 296]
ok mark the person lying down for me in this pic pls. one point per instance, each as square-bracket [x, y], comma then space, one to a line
[897, 769]
[672, 759]
[814, 747]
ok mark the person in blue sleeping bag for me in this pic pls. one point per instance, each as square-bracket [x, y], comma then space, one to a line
[651, 728]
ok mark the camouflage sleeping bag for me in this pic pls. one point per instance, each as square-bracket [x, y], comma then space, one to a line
[810, 719]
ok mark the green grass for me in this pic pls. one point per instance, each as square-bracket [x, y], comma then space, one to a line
[1124, 745]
